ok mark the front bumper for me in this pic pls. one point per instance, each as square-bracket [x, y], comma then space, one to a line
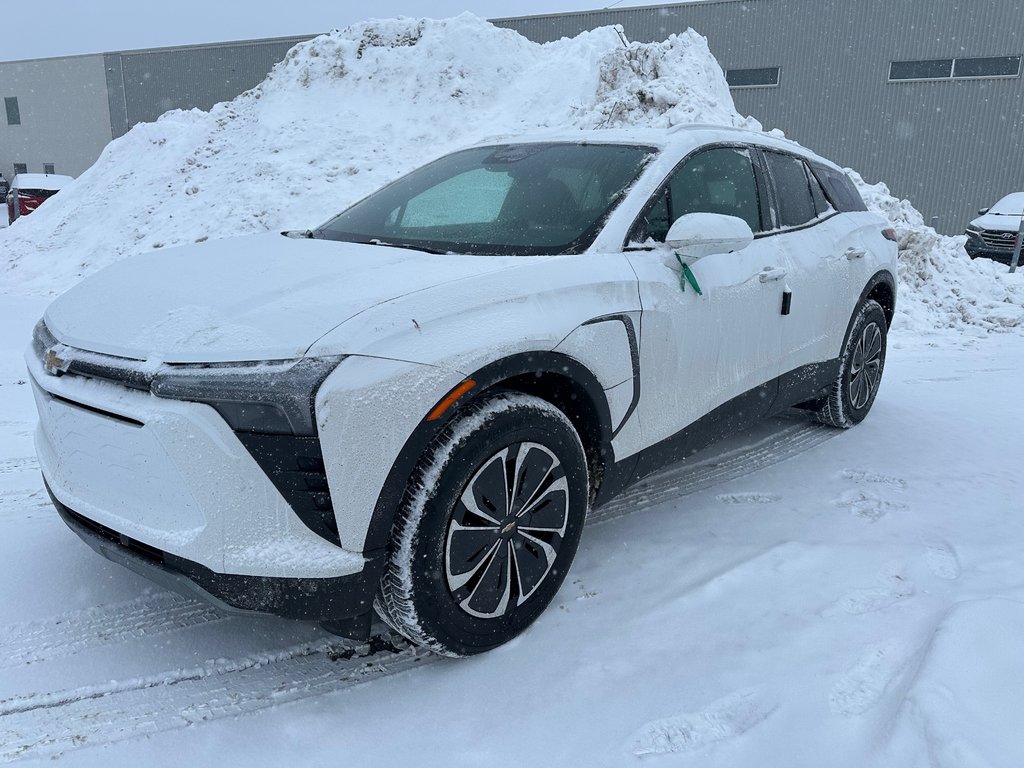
[977, 249]
[166, 488]
[322, 600]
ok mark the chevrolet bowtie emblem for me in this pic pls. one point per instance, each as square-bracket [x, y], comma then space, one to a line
[53, 364]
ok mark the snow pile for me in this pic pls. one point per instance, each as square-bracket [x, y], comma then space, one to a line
[350, 110]
[340, 116]
[940, 287]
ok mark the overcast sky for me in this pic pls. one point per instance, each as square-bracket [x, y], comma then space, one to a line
[41, 28]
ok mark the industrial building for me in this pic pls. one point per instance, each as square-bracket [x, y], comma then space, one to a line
[926, 96]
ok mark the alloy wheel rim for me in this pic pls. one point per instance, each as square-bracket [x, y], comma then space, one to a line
[866, 366]
[506, 530]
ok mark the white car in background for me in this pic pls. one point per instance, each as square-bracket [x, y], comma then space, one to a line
[993, 235]
[412, 407]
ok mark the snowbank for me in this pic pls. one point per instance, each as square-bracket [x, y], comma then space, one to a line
[940, 287]
[349, 110]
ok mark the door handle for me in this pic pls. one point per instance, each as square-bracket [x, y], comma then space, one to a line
[855, 253]
[771, 274]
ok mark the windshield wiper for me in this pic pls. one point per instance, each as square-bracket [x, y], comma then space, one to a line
[408, 246]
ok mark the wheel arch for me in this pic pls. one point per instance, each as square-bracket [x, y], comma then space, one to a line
[557, 378]
[881, 288]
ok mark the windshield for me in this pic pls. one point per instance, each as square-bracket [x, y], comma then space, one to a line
[519, 199]
[1011, 205]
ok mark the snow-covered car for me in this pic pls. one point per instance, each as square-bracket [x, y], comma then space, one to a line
[993, 234]
[30, 190]
[413, 406]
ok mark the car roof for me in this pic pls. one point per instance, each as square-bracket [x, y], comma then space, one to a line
[52, 181]
[681, 138]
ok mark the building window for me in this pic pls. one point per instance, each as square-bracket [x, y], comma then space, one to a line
[20, 168]
[48, 168]
[934, 69]
[13, 113]
[992, 66]
[763, 77]
[948, 69]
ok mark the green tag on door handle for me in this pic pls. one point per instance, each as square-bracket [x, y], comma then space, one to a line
[686, 276]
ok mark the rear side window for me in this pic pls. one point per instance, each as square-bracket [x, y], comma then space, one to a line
[793, 191]
[821, 204]
[839, 187]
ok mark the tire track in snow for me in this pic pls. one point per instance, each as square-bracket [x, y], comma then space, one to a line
[46, 725]
[9, 466]
[71, 633]
[691, 477]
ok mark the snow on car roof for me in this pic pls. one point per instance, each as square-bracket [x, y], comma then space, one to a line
[1011, 205]
[679, 136]
[52, 181]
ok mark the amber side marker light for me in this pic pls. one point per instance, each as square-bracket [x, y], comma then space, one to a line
[890, 234]
[450, 399]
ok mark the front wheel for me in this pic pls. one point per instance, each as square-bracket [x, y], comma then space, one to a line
[860, 370]
[487, 528]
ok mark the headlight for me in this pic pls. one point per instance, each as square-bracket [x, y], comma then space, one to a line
[271, 398]
[973, 230]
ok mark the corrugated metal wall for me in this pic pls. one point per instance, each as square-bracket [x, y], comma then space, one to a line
[949, 146]
[142, 85]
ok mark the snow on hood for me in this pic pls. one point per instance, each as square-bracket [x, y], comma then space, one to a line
[352, 109]
[264, 297]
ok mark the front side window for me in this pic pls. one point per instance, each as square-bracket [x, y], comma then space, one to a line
[719, 180]
[516, 199]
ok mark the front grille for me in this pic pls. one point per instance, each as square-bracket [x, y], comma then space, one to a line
[994, 238]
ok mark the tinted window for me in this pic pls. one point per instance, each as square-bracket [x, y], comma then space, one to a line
[932, 69]
[839, 187]
[752, 78]
[821, 204]
[716, 181]
[13, 113]
[991, 66]
[793, 192]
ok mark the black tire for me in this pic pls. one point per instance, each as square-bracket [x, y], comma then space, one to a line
[860, 370]
[487, 528]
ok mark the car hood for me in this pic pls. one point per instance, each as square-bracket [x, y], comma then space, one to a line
[264, 297]
[997, 222]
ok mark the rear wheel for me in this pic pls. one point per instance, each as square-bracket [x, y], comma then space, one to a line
[860, 371]
[488, 528]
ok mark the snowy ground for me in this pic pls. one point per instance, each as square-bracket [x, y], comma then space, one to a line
[795, 597]
[799, 596]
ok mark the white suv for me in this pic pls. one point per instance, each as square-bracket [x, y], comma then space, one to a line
[412, 407]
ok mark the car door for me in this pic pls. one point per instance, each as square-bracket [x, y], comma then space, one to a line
[828, 262]
[720, 349]
[806, 241]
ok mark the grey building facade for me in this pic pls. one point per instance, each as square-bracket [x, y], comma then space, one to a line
[926, 95]
[60, 113]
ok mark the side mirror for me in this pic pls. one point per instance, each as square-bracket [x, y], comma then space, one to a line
[702, 234]
[982, 211]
